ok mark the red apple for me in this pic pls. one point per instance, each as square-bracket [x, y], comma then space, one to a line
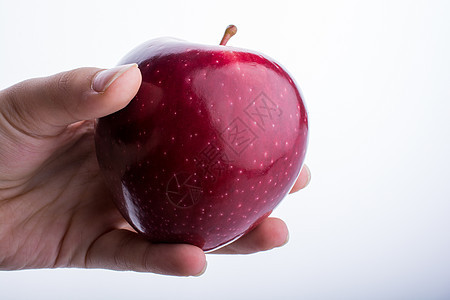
[212, 142]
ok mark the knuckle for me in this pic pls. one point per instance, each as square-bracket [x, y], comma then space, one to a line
[15, 110]
[64, 83]
[65, 92]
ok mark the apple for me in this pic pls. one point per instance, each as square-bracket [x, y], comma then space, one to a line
[212, 142]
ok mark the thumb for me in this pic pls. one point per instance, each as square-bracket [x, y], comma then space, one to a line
[44, 106]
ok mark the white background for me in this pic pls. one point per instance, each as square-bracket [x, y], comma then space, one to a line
[374, 222]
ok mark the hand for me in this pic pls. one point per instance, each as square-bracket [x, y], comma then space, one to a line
[54, 207]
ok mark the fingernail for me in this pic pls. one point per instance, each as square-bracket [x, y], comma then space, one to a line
[202, 271]
[105, 78]
[308, 174]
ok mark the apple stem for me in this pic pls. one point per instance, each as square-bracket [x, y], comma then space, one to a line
[229, 32]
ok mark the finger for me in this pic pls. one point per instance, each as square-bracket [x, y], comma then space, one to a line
[127, 251]
[44, 105]
[303, 179]
[271, 233]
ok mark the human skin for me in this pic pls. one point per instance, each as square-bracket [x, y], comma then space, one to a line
[55, 210]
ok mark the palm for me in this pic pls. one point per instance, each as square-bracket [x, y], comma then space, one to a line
[64, 206]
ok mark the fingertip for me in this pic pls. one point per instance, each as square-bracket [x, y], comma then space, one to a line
[120, 91]
[276, 234]
[303, 179]
[187, 260]
[205, 266]
[271, 233]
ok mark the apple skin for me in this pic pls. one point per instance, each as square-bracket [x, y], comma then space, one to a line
[212, 142]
